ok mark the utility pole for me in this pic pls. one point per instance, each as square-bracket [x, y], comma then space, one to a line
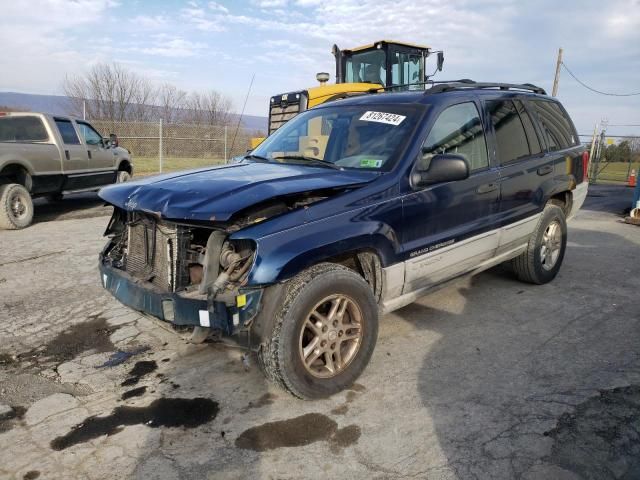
[557, 77]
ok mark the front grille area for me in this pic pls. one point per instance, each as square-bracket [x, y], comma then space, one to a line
[284, 107]
[156, 252]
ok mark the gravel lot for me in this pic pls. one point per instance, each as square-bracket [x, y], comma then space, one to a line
[490, 378]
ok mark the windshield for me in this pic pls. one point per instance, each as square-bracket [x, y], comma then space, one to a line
[369, 67]
[362, 137]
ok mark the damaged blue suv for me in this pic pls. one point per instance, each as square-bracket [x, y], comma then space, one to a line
[349, 211]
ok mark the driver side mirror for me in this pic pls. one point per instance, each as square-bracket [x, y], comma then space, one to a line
[443, 167]
[440, 60]
[113, 139]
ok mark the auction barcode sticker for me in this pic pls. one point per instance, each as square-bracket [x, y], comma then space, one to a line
[383, 117]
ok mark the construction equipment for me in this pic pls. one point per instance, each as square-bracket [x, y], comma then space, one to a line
[380, 65]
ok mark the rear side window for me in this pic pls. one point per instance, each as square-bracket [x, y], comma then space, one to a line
[511, 140]
[68, 133]
[556, 125]
[22, 129]
[532, 136]
[458, 130]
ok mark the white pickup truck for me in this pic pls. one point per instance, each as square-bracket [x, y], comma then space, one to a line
[47, 155]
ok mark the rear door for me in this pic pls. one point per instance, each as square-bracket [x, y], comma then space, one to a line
[449, 228]
[75, 160]
[523, 168]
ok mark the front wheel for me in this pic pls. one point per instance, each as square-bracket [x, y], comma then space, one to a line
[541, 261]
[16, 207]
[123, 176]
[324, 333]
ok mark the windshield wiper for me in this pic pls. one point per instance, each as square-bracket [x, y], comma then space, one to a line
[318, 161]
[258, 158]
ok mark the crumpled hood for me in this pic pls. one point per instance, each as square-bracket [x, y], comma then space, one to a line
[215, 194]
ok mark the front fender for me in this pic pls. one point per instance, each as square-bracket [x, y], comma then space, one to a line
[282, 255]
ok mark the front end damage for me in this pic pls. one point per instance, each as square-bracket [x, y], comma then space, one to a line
[190, 274]
[185, 275]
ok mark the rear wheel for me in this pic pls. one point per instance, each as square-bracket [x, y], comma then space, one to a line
[541, 261]
[16, 207]
[324, 333]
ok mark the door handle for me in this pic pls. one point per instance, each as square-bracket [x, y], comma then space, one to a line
[89, 152]
[66, 154]
[545, 170]
[487, 187]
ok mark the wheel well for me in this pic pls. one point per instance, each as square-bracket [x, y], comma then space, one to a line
[563, 200]
[365, 263]
[125, 166]
[15, 173]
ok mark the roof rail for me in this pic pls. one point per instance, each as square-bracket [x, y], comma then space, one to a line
[465, 83]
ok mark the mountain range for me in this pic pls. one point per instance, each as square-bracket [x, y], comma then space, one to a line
[61, 105]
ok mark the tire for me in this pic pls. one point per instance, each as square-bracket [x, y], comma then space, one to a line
[16, 207]
[290, 339]
[123, 176]
[540, 263]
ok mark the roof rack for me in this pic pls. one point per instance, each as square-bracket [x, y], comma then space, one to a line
[465, 83]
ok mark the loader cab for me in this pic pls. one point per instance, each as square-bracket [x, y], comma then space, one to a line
[390, 64]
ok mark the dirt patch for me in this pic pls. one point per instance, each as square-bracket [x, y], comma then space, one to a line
[135, 392]
[79, 338]
[164, 412]
[266, 399]
[8, 421]
[31, 475]
[140, 370]
[297, 432]
[7, 360]
[601, 438]
[27, 388]
[122, 356]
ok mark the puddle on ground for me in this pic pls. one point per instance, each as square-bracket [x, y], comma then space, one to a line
[79, 338]
[163, 412]
[139, 370]
[122, 356]
[298, 432]
[266, 399]
[9, 420]
[600, 438]
[6, 359]
[135, 392]
[31, 475]
[352, 393]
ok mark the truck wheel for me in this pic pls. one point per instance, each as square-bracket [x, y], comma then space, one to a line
[541, 261]
[123, 176]
[323, 334]
[16, 207]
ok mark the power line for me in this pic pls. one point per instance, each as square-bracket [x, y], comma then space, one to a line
[597, 91]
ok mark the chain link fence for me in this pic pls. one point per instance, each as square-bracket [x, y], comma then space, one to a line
[161, 147]
[615, 156]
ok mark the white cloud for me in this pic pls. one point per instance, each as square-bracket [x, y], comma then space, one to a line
[270, 3]
[216, 7]
[150, 22]
[171, 46]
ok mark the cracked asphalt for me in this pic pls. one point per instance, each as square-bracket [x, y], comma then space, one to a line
[488, 378]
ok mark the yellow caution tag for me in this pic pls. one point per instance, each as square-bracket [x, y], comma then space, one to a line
[241, 301]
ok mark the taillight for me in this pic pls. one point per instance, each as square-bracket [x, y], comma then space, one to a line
[585, 166]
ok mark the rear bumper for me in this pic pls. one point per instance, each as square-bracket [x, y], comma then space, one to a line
[578, 198]
[170, 307]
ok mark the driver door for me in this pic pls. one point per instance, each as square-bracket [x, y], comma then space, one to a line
[100, 158]
[450, 228]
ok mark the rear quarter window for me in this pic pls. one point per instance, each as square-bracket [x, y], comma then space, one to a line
[22, 129]
[555, 124]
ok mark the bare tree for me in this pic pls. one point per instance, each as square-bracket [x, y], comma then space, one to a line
[211, 108]
[171, 102]
[109, 92]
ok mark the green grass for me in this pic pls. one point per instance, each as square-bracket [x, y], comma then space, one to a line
[149, 165]
[615, 171]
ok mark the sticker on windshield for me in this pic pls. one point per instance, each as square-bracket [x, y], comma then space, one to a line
[383, 117]
[370, 163]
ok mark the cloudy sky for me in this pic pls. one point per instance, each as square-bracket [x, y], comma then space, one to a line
[220, 45]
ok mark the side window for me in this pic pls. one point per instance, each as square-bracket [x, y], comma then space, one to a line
[557, 127]
[91, 137]
[22, 129]
[511, 141]
[458, 130]
[532, 136]
[67, 132]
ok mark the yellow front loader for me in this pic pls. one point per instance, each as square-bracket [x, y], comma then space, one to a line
[384, 64]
